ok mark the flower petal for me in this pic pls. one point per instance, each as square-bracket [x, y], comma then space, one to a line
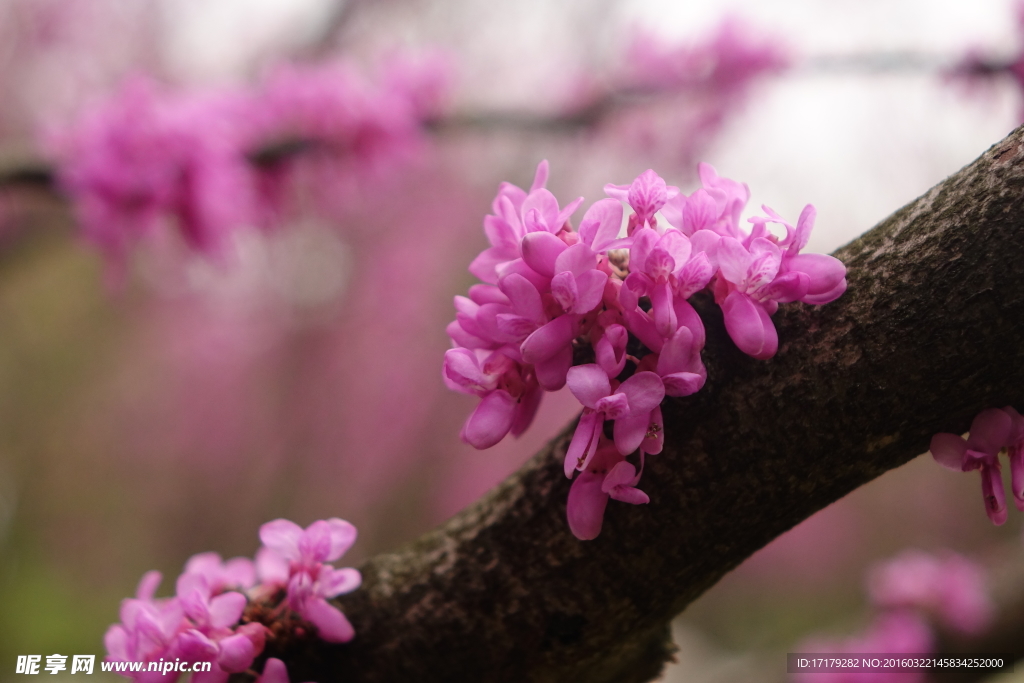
[588, 383]
[750, 326]
[490, 421]
[644, 390]
[540, 249]
[585, 509]
[331, 624]
[282, 536]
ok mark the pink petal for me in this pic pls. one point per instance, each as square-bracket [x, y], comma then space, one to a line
[236, 653]
[462, 367]
[331, 624]
[733, 260]
[647, 194]
[540, 178]
[563, 288]
[825, 272]
[545, 208]
[677, 354]
[601, 224]
[315, 543]
[588, 383]
[550, 339]
[343, 535]
[699, 212]
[486, 294]
[949, 450]
[239, 572]
[584, 442]
[788, 287]
[989, 431]
[663, 311]
[282, 536]
[683, 383]
[485, 266]
[677, 246]
[226, 609]
[629, 494]
[335, 582]
[644, 240]
[590, 286]
[271, 568]
[585, 509]
[529, 402]
[831, 295]
[641, 325]
[577, 259]
[274, 671]
[523, 296]
[491, 420]
[617, 192]
[613, 407]
[148, 585]
[993, 493]
[630, 432]
[688, 318]
[644, 390]
[463, 338]
[765, 263]
[551, 372]
[654, 441]
[804, 225]
[519, 267]
[623, 474]
[694, 276]
[750, 326]
[540, 249]
[610, 350]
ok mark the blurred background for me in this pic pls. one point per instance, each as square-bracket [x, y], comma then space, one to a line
[166, 400]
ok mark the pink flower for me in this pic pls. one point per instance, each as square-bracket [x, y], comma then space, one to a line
[989, 433]
[646, 195]
[826, 275]
[950, 587]
[1015, 449]
[516, 214]
[296, 558]
[630, 405]
[607, 476]
[509, 391]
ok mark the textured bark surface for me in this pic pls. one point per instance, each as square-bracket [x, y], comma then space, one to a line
[930, 332]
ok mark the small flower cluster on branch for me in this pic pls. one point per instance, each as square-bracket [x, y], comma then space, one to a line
[225, 612]
[605, 310]
[992, 431]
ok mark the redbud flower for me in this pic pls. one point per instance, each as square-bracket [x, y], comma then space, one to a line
[950, 587]
[989, 433]
[296, 558]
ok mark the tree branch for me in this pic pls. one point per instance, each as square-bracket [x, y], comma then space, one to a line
[930, 332]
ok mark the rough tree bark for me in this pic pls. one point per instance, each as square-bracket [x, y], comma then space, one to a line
[930, 331]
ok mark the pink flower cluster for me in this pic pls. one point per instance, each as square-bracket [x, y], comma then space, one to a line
[207, 620]
[604, 309]
[210, 163]
[912, 591]
[948, 587]
[992, 431]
